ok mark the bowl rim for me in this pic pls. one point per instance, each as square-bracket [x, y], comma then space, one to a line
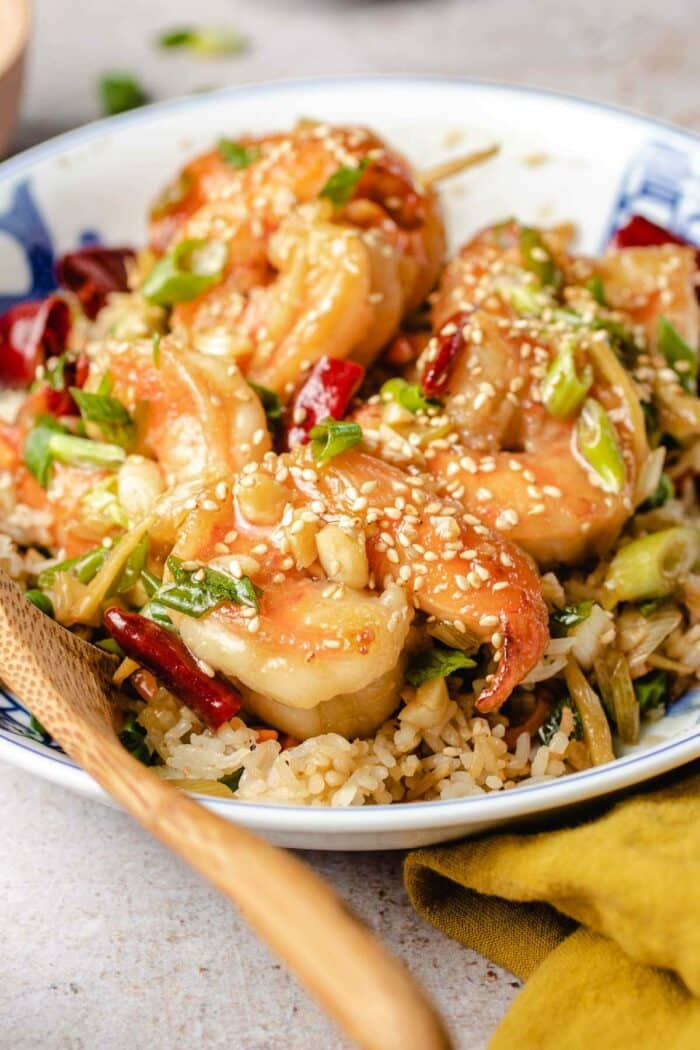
[439, 813]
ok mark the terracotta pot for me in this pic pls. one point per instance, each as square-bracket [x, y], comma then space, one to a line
[14, 34]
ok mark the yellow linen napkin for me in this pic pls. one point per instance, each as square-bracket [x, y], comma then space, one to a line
[629, 975]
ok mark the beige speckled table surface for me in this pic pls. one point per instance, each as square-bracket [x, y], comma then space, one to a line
[108, 942]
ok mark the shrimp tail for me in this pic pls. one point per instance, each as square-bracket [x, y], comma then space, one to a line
[525, 635]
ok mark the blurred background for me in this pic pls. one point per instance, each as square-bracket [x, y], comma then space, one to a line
[637, 53]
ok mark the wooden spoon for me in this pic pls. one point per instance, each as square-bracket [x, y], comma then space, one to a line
[65, 682]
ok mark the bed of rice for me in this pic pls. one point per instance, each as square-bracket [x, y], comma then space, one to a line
[424, 753]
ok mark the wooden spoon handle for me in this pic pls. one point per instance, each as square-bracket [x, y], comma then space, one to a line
[371, 994]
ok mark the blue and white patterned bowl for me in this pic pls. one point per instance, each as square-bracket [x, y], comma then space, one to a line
[561, 158]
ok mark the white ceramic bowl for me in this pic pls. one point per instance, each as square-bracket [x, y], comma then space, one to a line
[562, 158]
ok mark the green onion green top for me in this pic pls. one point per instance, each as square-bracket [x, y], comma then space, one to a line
[538, 259]
[562, 388]
[408, 395]
[237, 155]
[341, 185]
[108, 413]
[332, 436]
[678, 355]
[562, 620]
[597, 443]
[188, 270]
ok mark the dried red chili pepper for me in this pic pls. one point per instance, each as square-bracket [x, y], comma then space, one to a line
[449, 342]
[29, 333]
[92, 273]
[162, 653]
[325, 393]
[639, 232]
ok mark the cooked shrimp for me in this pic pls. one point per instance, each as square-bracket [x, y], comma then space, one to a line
[195, 413]
[341, 554]
[512, 461]
[385, 231]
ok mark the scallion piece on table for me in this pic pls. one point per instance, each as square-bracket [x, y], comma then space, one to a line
[188, 270]
[651, 566]
[120, 92]
[209, 41]
[332, 436]
[597, 443]
[678, 355]
[562, 388]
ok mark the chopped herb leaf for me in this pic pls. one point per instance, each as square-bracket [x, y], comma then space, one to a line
[438, 662]
[651, 690]
[37, 452]
[538, 259]
[41, 600]
[562, 620]
[553, 722]
[133, 738]
[196, 596]
[341, 185]
[664, 492]
[408, 395]
[270, 402]
[678, 355]
[232, 780]
[108, 413]
[120, 92]
[204, 40]
[238, 155]
[597, 289]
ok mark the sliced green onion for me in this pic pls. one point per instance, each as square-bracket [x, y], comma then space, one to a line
[333, 436]
[109, 414]
[150, 582]
[188, 270]
[663, 493]
[132, 571]
[615, 684]
[553, 723]
[597, 443]
[69, 449]
[651, 690]
[41, 600]
[109, 645]
[652, 566]
[209, 41]
[437, 662]
[561, 621]
[232, 780]
[341, 185]
[408, 395]
[37, 452]
[597, 289]
[238, 155]
[678, 355]
[84, 567]
[120, 92]
[562, 388]
[538, 259]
